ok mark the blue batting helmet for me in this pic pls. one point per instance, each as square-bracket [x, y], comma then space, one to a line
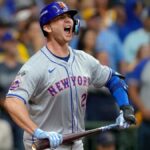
[53, 10]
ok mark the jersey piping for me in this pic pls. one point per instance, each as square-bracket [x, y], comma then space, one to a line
[18, 96]
[71, 97]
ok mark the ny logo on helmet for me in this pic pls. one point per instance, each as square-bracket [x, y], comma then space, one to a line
[62, 5]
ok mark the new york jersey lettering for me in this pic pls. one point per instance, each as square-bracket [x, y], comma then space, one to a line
[65, 83]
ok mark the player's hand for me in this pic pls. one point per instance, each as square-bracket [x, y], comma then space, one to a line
[121, 121]
[128, 114]
[55, 139]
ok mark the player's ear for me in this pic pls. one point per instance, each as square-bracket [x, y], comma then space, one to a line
[47, 28]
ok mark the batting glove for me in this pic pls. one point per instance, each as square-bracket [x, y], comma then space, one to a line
[128, 114]
[126, 117]
[55, 139]
[121, 121]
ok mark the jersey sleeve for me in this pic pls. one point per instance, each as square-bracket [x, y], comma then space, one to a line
[100, 74]
[24, 84]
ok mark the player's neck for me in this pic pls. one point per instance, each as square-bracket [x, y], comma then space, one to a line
[57, 49]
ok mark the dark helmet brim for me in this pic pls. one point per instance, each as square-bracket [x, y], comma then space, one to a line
[72, 12]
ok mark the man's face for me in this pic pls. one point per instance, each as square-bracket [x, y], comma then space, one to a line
[61, 28]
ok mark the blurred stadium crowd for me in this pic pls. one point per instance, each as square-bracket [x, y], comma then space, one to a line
[116, 32]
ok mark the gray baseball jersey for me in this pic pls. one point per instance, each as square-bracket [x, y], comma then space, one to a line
[55, 91]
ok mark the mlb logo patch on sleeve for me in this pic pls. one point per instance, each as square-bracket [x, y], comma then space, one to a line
[16, 83]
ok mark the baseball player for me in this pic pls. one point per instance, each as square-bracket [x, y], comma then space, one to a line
[48, 96]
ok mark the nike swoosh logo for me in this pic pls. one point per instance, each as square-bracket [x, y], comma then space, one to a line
[51, 70]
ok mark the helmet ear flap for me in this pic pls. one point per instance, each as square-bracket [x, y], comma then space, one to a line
[76, 26]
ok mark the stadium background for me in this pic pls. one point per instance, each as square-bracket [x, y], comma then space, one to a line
[108, 32]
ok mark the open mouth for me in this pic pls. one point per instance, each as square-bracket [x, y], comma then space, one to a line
[67, 29]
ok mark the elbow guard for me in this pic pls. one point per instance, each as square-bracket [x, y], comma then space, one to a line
[118, 88]
[116, 82]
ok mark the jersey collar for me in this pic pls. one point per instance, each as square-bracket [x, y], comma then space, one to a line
[55, 59]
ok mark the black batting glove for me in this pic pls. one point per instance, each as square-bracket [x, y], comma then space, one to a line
[128, 114]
